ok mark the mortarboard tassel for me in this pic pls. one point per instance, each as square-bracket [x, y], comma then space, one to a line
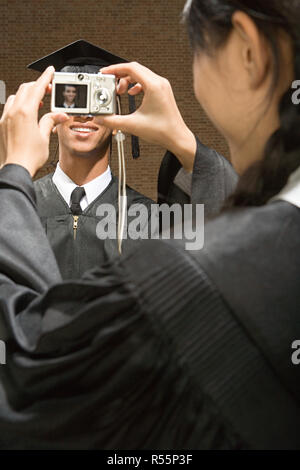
[134, 139]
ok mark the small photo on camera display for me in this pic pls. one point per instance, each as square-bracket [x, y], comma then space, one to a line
[70, 96]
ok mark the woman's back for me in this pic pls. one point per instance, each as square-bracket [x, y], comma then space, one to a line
[252, 256]
[232, 310]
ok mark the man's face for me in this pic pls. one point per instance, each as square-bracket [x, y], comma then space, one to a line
[83, 135]
[69, 94]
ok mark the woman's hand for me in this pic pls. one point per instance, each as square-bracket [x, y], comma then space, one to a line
[158, 119]
[23, 139]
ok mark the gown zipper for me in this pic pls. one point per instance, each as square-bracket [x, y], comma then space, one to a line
[75, 225]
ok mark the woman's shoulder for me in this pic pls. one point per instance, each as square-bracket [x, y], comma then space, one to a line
[254, 246]
[240, 228]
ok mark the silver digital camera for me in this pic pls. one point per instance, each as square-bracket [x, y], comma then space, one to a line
[83, 93]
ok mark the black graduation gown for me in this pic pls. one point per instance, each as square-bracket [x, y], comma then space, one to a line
[212, 181]
[161, 349]
[78, 250]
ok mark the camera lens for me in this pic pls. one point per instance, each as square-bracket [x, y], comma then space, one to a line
[80, 76]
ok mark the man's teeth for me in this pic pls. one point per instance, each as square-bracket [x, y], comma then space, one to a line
[83, 129]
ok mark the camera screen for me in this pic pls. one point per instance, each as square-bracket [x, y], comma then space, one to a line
[70, 96]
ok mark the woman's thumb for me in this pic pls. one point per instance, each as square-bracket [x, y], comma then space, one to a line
[49, 120]
[121, 123]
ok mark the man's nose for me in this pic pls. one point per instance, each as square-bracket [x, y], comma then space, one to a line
[84, 118]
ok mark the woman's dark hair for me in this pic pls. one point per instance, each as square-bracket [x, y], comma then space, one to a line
[209, 24]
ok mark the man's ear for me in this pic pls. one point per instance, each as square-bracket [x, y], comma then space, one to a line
[54, 130]
[253, 46]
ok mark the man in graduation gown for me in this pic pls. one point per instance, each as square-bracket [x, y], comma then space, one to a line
[69, 198]
[71, 225]
[83, 172]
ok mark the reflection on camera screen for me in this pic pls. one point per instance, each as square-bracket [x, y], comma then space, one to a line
[70, 96]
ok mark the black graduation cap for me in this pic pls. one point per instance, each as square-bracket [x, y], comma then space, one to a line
[80, 53]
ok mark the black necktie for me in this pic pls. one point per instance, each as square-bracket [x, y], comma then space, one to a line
[76, 196]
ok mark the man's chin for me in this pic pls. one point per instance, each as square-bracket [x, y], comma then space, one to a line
[84, 146]
[86, 151]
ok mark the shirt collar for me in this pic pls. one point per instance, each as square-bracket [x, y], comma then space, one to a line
[65, 105]
[93, 188]
[291, 191]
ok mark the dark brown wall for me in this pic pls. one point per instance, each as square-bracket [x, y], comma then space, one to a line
[148, 31]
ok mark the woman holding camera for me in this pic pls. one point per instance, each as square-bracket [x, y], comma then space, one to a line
[167, 348]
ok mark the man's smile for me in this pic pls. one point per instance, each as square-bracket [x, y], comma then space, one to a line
[82, 129]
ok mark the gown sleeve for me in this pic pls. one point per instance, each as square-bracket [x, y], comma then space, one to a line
[213, 180]
[87, 364]
[25, 256]
[27, 264]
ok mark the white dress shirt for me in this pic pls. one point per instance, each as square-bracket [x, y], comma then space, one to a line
[93, 189]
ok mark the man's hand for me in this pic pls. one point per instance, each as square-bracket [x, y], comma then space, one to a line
[158, 119]
[24, 140]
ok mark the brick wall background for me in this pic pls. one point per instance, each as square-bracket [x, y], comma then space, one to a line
[146, 31]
